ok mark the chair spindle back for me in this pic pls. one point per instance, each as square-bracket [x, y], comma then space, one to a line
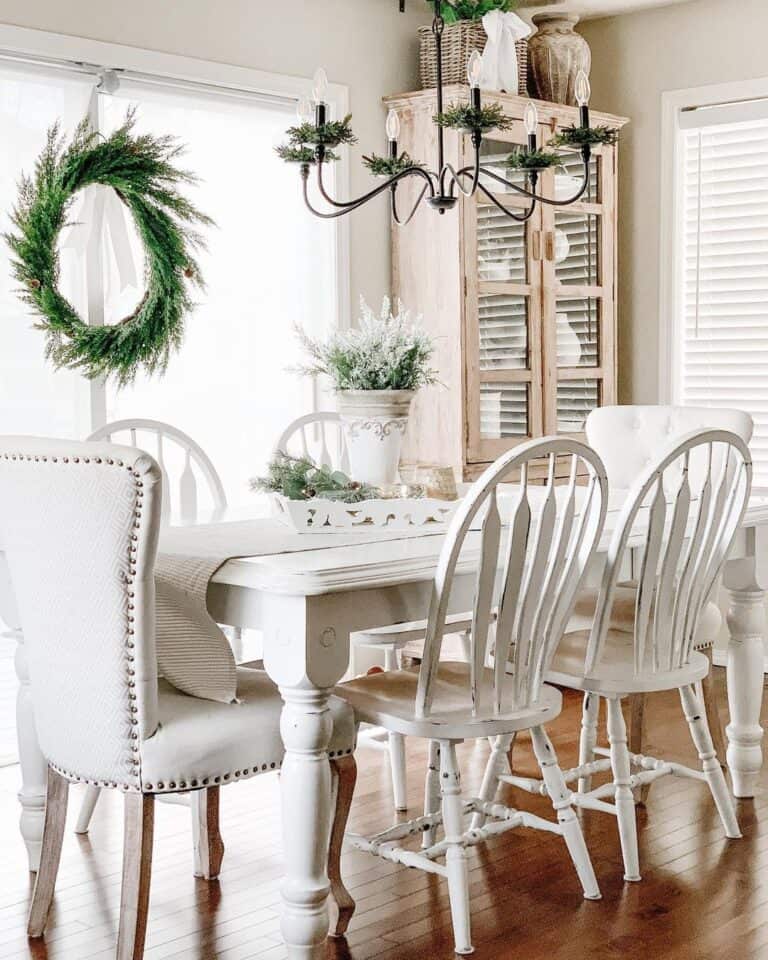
[319, 437]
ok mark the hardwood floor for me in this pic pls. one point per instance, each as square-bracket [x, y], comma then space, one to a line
[701, 897]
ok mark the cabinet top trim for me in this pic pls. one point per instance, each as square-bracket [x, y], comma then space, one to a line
[513, 105]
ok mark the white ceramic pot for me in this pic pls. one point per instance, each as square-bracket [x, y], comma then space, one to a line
[374, 425]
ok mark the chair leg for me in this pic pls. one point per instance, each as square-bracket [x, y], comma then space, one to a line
[431, 791]
[590, 713]
[560, 795]
[456, 854]
[710, 700]
[702, 739]
[496, 766]
[236, 642]
[624, 798]
[398, 769]
[637, 704]
[344, 774]
[137, 872]
[86, 810]
[53, 836]
[208, 845]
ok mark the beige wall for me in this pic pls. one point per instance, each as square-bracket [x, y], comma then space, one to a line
[635, 59]
[365, 44]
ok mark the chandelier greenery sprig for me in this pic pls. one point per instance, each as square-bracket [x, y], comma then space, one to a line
[310, 143]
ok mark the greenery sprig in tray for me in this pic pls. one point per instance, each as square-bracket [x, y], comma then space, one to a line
[299, 478]
[302, 140]
[574, 137]
[389, 166]
[523, 158]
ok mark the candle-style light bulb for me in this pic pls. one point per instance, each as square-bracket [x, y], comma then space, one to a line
[393, 126]
[319, 85]
[531, 123]
[583, 92]
[304, 110]
[475, 69]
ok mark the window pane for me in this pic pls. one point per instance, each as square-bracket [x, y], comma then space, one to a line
[33, 397]
[570, 176]
[493, 157]
[577, 248]
[578, 332]
[501, 246]
[503, 332]
[269, 266]
[576, 399]
[503, 410]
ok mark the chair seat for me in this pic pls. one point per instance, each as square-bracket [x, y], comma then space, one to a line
[400, 634]
[202, 743]
[387, 700]
[615, 673]
[623, 614]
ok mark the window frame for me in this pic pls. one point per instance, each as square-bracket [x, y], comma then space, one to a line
[671, 266]
[92, 56]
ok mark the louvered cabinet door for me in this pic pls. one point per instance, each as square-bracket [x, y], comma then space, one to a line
[578, 289]
[502, 312]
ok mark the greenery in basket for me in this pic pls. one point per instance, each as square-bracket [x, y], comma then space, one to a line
[388, 352]
[389, 166]
[585, 136]
[454, 10]
[522, 158]
[299, 478]
[463, 116]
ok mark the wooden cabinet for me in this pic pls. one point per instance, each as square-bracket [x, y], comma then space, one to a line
[523, 314]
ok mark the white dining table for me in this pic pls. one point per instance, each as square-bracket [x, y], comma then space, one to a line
[306, 603]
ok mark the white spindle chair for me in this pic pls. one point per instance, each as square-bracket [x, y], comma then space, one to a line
[320, 437]
[528, 574]
[80, 523]
[627, 438]
[180, 502]
[680, 516]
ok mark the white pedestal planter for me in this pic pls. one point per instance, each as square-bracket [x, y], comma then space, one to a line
[374, 424]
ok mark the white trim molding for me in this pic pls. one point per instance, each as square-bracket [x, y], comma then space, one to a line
[673, 104]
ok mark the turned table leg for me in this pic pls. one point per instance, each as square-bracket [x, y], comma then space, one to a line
[746, 623]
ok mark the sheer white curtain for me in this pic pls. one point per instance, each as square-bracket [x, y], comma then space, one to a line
[33, 398]
[268, 266]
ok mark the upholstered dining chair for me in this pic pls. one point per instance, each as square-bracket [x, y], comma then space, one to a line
[680, 516]
[628, 438]
[188, 476]
[80, 525]
[543, 551]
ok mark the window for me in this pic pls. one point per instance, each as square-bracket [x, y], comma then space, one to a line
[268, 266]
[720, 349]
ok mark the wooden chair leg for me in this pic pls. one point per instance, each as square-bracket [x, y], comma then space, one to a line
[702, 739]
[53, 837]
[625, 801]
[560, 796]
[501, 748]
[209, 847]
[637, 738]
[137, 871]
[711, 707]
[456, 853]
[588, 740]
[399, 771]
[90, 800]
[431, 791]
[344, 773]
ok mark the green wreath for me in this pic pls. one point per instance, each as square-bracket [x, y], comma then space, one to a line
[140, 168]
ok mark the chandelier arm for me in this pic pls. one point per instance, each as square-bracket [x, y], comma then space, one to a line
[396, 217]
[334, 214]
[351, 205]
[525, 216]
[535, 196]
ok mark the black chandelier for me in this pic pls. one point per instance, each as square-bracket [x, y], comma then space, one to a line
[313, 141]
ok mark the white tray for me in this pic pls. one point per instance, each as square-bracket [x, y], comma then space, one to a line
[330, 516]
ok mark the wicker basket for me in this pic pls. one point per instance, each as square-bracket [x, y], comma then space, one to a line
[459, 40]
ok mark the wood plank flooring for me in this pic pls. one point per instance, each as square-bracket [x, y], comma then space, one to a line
[702, 896]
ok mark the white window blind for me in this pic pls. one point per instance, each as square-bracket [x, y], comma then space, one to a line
[723, 323]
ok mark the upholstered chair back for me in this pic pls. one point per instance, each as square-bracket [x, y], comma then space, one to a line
[79, 525]
[630, 438]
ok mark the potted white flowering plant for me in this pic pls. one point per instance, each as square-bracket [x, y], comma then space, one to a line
[376, 368]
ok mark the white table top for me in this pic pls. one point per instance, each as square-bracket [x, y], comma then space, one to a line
[325, 567]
